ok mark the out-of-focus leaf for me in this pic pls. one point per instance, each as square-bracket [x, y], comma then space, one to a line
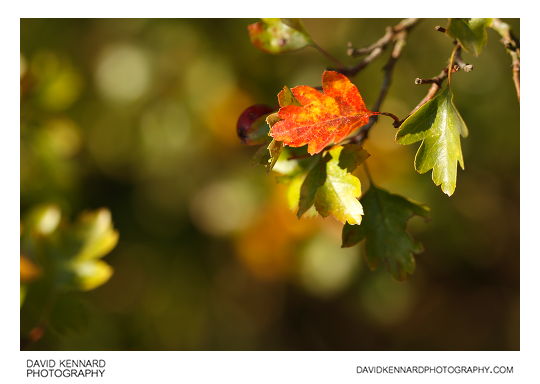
[90, 274]
[262, 155]
[471, 33]
[324, 117]
[352, 156]
[43, 220]
[278, 35]
[96, 234]
[251, 127]
[332, 190]
[438, 125]
[23, 291]
[384, 229]
[66, 256]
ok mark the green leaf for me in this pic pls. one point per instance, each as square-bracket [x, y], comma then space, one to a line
[314, 180]
[274, 148]
[286, 97]
[438, 124]
[261, 155]
[352, 156]
[332, 190]
[293, 196]
[384, 229]
[471, 33]
[278, 35]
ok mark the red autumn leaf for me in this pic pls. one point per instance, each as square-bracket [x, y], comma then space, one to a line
[324, 117]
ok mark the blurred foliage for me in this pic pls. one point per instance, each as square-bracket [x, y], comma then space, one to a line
[139, 116]
[278, 35]
[57, 258]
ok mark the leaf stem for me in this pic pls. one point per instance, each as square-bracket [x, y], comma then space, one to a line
[388, 68]
[454, 65]
[451, 63]
[377, 48]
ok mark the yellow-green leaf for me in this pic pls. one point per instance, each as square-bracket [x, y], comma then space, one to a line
[332, 190]
[96, 233]
[90, 274]
[438, 125]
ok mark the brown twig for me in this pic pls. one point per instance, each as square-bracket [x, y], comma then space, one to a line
[437, 81]
[376, 49]
[511, 44]
[460, 63]
[399, 42]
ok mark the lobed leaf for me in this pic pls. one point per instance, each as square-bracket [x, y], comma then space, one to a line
[438, 125]
[332, 190]
[321, 118]
[384, 229]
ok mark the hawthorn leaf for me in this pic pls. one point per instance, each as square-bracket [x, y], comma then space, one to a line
[276, 36]
[471, 33]
[322, 118]
[332, 190]
[384, 229]
[438, 125]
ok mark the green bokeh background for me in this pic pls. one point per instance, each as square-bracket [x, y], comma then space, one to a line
[139, 116]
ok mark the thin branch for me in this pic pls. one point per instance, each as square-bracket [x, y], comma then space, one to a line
[437, 81]
[376, 49]
[511, 44]
[399, 43]
[462, 64]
